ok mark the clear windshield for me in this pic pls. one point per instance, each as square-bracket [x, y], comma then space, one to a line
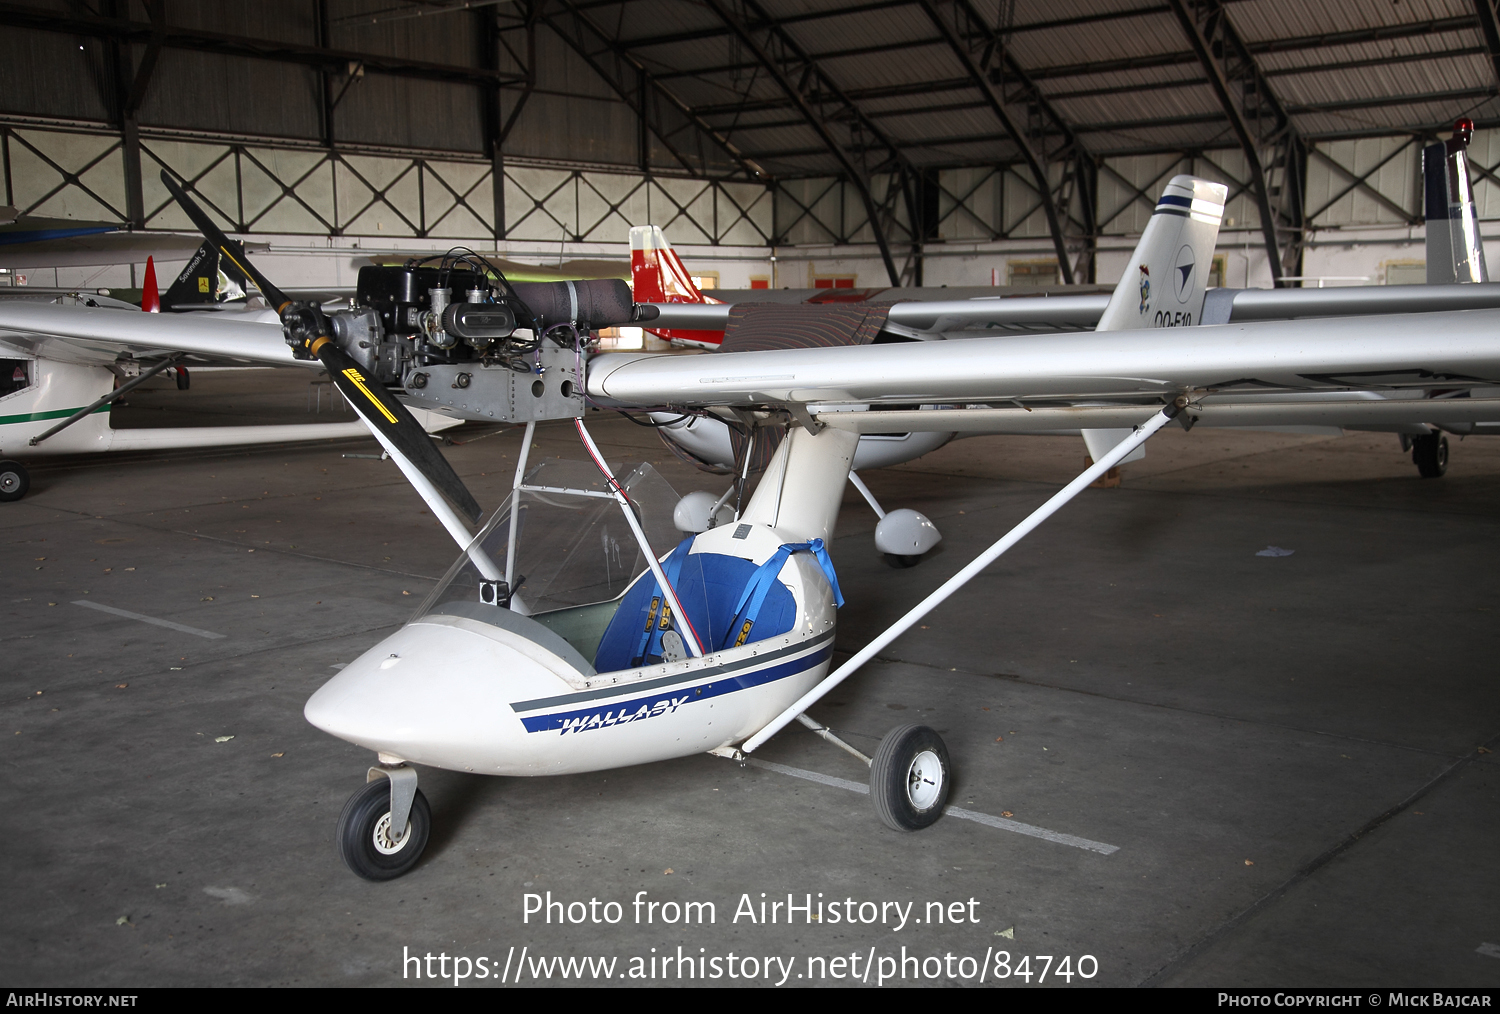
[571, 549]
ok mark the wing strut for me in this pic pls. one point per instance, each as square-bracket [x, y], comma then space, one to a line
[693, 641]
[1141, 434]
[116, 394]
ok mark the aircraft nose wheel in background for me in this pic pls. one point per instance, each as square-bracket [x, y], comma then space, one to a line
[14, 481]
[365, 840]
[1430, 454]
[909, 777]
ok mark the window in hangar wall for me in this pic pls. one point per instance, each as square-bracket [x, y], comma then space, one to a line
[1032, 274]
[834, 281]
[1404, 272]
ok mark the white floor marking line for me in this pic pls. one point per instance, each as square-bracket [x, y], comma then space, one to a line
[812, 776]
[1006, 824]
[1000, 823]
[150, 619]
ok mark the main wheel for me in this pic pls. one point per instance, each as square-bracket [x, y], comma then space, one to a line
[183, 380]
[909, 778]
[14, 481]
[364, 835]
[901, 561]
[1430, 454]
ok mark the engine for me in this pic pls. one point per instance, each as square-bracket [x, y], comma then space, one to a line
[460, 338]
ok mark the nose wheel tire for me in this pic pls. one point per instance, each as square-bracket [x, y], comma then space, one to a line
[14, 481]
[909, 778]
[366, 841]
[1430, 455]
[901, 561]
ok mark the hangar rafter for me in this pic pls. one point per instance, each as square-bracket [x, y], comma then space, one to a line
[981, 50]
[1259, 122]
[629, 78]
[825, 110]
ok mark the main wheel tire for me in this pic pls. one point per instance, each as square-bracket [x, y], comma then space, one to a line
[14, 481]
[364, 838]
[900, 561]
[1430, 454]
[183, 380]
[909, 778]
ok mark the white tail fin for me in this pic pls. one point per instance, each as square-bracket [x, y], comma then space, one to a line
[1455, 252]
[657, 272]
[1164, 283]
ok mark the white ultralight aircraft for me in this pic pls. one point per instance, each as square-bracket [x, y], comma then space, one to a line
[723, 641]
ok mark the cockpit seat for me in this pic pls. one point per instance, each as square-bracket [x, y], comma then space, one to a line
[712, 589]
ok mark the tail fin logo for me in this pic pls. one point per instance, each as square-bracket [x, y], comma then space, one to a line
[1145, 288]
[1186, 261]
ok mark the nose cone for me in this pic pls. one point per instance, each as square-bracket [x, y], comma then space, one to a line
[438, 694]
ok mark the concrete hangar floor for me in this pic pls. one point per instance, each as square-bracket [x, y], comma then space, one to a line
[1284, 751]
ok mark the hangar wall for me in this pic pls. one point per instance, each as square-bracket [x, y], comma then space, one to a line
[379, 159]
[1364, 196]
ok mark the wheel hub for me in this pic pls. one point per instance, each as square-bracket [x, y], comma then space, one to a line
[924, 780]
[9, 482]
[382, 836]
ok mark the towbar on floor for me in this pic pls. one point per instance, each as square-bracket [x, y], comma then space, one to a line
[1141, 434]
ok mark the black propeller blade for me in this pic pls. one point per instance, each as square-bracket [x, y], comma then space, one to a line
[308, 332]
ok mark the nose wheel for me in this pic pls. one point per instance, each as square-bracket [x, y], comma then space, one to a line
[909, 778]
[366, 841]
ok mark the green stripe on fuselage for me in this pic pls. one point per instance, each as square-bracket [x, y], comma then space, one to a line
[61, 413]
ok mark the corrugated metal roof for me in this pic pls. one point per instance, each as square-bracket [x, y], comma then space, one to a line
[1119, 74]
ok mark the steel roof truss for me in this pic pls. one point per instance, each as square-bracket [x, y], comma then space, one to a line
[634, 85]
[1258, 121]
[823, 105]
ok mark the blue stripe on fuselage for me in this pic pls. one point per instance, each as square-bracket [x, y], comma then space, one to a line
[667, 701]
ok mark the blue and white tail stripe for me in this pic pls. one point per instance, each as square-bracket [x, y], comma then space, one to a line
[1203, 203]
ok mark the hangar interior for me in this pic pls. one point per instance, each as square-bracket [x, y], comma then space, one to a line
[877, 144]
[1281, 767]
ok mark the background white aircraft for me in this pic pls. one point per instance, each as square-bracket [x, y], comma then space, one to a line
[55, 395]
[1455, 260]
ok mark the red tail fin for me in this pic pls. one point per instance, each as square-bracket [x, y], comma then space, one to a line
[659, 276]
[150, 297]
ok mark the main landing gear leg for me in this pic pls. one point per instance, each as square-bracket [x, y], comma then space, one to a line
[367, 842]
[910, 772]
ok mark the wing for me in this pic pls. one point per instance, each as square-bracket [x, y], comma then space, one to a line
[954, 316]
[99, 334]
[1417, 353]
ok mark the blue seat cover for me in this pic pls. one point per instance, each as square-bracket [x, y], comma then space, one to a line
[710, 587]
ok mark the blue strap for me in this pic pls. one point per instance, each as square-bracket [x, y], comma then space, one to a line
[747, 611]
[657, 605]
